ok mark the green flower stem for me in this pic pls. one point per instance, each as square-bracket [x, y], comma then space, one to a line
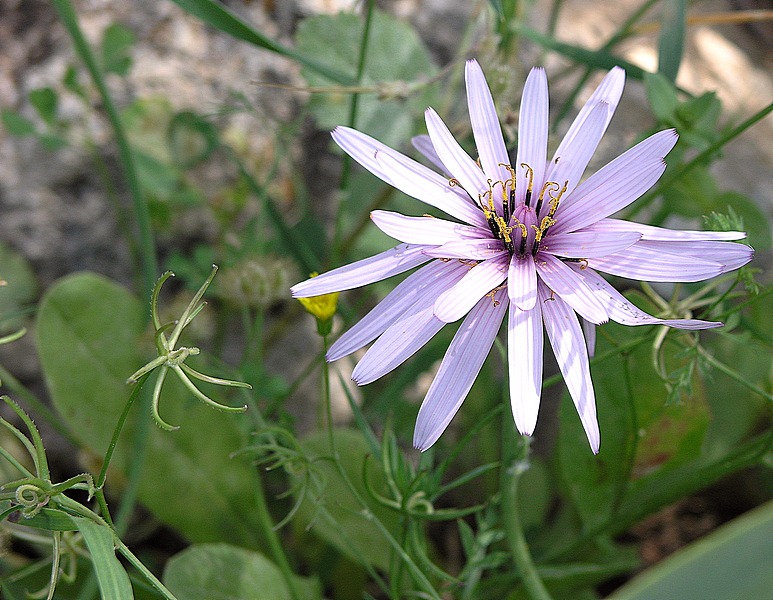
[100, 483]
[268, 527]
[416, 573]
[118, 428]
[274, 543]
[142, 214]
[734, 375]
[144, 571]
[674, 175]
[326, 400]
[515, 462]
[347, 161]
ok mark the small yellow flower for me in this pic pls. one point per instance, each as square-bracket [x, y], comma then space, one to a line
[322, 308]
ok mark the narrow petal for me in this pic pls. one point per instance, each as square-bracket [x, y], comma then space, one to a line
[728, 254]
[624, 312]
[375, 268]
[419, 182]
[524, 352]
[609, 90]
[418, 289]
[522, 282]
[456, 302]
[481, 249]
[617, 184]
[532, 132]
[589, 330]
[396, 345]
[568, 344]
[569, 166]
[423, 230]
[648, 264]
[571, 287]
[660, 234]
[423, 144]
[460, 366]
[362, 148]
[458, 162]
[586, 244]
[485, 124]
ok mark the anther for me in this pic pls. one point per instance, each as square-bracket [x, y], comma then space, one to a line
[550, 186]
[530, 188]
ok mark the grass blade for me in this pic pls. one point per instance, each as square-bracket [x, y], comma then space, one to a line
[671, 40]
[219, 17]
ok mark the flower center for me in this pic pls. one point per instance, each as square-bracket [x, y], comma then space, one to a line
[520, 227]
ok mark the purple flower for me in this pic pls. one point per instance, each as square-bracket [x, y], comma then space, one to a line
[527, 241]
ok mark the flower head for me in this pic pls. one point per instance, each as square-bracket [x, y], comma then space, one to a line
[528, 240]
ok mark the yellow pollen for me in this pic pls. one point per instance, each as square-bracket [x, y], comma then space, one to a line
[511, 181]
[550, 186]
[503, 228]
[453, 182]
[488, 206]
[493, 292]
[554, 200]
[547, 222]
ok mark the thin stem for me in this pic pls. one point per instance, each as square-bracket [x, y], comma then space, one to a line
[674, 175]
[511, 512]
[142, 213]
[353, 106]
[76, 508]
[118, 428]
[416, 573]
[680, 482]
[137, 564]
[326, 400]
[274, 543]
[624, 31]
[134, 470]
[737, 377]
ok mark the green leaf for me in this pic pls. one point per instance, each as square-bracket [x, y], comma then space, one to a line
[224, 572]
[661, 95]
[218, 16]
[394, 54]
[15, 124]
[671, 39]
[728, 564]
[350, 532]
[70, 81]
[592, 58]
[90, 335]
[45, 101]
[18, 292]
[755, 222]
[112, 578]
[117, 42]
